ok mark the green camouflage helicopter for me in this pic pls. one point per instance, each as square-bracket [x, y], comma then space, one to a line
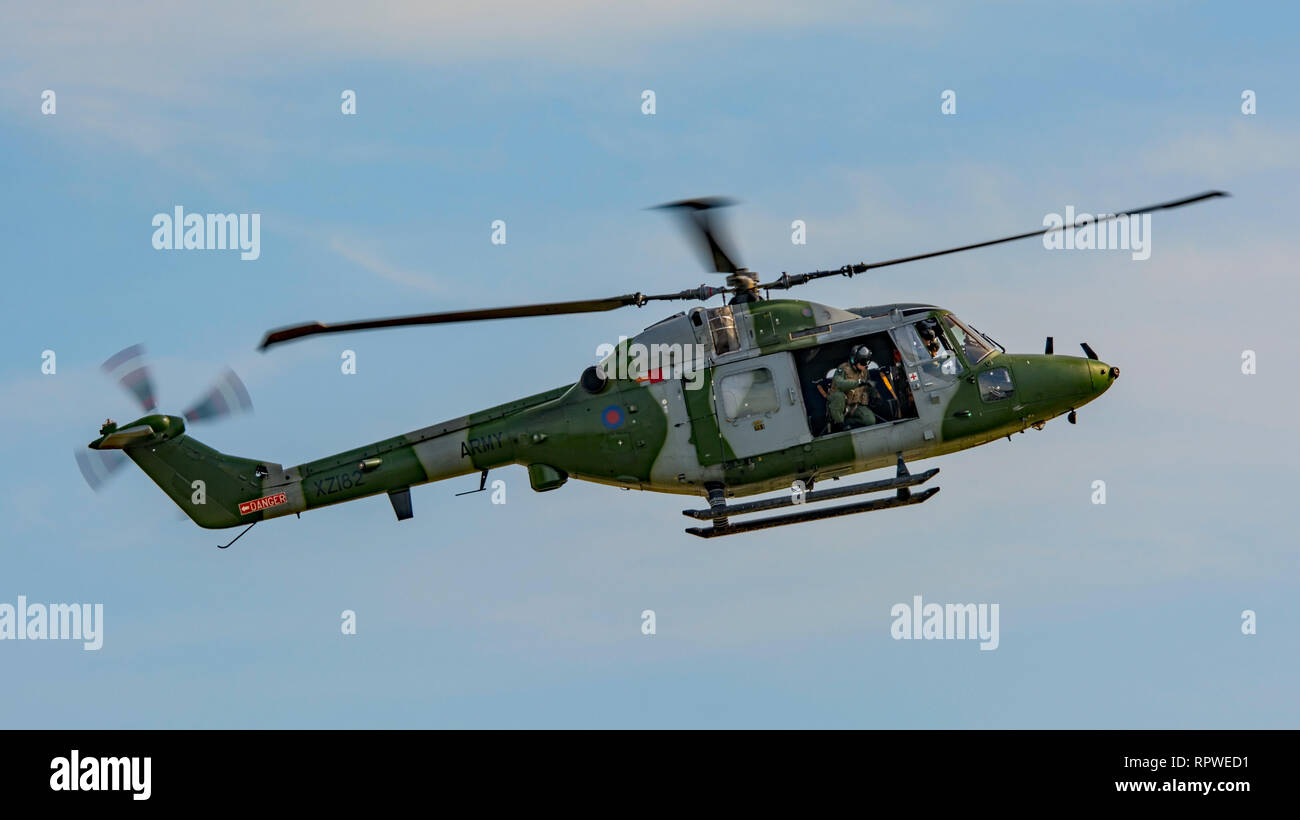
[722, 402]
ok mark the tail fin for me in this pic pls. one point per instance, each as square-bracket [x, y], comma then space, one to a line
[214, 489]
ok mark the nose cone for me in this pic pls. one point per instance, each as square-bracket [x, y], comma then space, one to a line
[1102, 376]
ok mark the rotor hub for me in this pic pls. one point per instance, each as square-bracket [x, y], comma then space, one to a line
[743, 281]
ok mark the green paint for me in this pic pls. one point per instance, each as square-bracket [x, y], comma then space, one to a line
[616, 435]
[710, 447]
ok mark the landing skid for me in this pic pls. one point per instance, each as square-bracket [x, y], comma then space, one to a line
[902, 482]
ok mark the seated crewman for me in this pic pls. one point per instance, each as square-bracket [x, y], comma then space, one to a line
[851, 392]
[931, 342]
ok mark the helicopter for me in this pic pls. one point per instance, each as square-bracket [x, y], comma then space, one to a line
[721, 402]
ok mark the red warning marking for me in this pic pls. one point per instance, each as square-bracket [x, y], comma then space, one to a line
[262, 503]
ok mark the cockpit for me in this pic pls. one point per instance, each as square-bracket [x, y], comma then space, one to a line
[974, 345]
[939, 339]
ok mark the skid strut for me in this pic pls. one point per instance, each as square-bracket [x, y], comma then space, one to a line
[902, 483]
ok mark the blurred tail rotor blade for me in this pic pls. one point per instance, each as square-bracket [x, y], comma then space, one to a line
[227, 396]
[695, 212]
[97, 466]
[129, 369]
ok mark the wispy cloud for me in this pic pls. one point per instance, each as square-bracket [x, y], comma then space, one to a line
[1247, 147]
[157, 48]
[117, 63]
[383, 268]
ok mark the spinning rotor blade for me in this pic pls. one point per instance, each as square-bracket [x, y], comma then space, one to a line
[227, 396]
[787, 281]
[707, 231]
[128, 368]
[718, 258]
[97, 466]
[288, 334]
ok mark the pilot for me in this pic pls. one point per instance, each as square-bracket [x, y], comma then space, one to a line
[931, 342]
[851, 392]
[947, 362]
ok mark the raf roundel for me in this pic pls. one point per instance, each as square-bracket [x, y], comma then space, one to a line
[612, 416]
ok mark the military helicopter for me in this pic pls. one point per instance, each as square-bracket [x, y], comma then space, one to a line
[722, 402]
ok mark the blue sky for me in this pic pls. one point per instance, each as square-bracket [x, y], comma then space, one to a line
[527, 614]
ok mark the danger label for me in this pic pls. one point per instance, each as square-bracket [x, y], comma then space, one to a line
[262, 503]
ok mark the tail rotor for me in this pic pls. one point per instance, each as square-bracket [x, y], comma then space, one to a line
[129, 368]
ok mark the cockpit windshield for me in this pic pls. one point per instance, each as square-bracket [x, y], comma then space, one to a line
[975, 346]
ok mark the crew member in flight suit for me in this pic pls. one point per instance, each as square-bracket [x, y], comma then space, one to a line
[931, 342]
[851, 391]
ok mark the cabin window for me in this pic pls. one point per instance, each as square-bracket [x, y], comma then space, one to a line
[752, 393]
[995, 384]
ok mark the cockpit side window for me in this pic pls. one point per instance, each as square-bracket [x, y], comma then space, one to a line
[938, 345]
[910, 344]
[973, 345]
[926, 347]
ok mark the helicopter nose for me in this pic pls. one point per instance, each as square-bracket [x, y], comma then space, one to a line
[1103, 376]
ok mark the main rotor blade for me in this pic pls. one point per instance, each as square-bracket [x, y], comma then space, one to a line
[288, 334]
[787, 281]
[227, 396]
[129, 369]
[708, 231]
[1177, 203]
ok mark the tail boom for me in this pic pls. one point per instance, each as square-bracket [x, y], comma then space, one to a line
[217, 490]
